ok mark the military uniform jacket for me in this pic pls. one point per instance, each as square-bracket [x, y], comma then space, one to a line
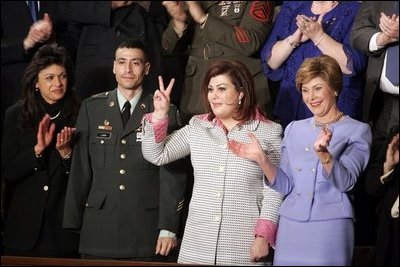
[115, 197]
[235, 30]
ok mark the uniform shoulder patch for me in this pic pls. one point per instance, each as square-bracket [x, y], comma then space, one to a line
[241, 35]
[260, 11]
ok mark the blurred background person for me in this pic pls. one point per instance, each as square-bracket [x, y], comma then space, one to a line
[316, 172]
[232, 217]
[382, 180]
[36, 154]
[376, 33]
[105, 24]
[213, 30]
[305, 29]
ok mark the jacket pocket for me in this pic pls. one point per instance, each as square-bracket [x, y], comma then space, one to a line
[96, 199]
[102, 151]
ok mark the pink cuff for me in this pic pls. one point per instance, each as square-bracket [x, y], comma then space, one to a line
[267, 229]
[160, 127]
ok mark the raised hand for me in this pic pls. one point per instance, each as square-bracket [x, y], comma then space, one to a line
[161, 99]
[392, 154]
[176, 10]
[252, 151]
[39, 32]
[196, 11]
[322, 142]
[63, 143]
[44, 135]
[389, 25]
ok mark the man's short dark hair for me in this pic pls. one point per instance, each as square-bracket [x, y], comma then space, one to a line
[132, 43]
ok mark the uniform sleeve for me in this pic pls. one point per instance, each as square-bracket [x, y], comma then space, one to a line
[80, 178]
[173, 181]
[247, 36]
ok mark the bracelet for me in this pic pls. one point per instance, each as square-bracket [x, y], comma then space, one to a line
[328, 159]
[320, 39]
[292, 44]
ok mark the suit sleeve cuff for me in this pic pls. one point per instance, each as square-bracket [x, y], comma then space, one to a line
[166, 233]
[160, 127]
[267, 229]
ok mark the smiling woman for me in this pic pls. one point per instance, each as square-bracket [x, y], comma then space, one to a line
[232, 217]
[322, 157]
[36, 158]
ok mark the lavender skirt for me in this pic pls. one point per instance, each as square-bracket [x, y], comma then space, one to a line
[320, 243]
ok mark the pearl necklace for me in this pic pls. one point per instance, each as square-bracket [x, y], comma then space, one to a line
[55, 116]
[326, 124]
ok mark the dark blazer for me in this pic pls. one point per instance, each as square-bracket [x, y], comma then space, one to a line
[387, 236]
[102, 30]
[36, 207]
[365, 26]
[15, 23]
[117, 199]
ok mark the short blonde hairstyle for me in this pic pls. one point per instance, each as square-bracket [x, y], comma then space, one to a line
[324, 67]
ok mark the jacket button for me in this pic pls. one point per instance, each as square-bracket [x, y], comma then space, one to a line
[122, 187]
[101, 141]
[123, 156]
[123, 141]
[221, 169]
[218, 194]
[122, 171]
[307, 149]
[117, 33]
[45, 188]
[217, 218]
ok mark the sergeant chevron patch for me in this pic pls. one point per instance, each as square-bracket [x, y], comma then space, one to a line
[260, 11]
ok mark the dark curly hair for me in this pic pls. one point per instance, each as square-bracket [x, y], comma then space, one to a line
[32, 105]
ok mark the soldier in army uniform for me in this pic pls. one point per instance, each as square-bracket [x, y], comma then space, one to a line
[233, 30]
[123, 206]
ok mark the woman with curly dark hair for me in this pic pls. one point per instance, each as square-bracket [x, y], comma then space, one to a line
[36, 151]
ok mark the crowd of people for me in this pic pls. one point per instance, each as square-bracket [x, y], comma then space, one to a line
[214, 132]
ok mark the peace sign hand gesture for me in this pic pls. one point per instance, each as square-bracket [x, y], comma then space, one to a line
[161, 99]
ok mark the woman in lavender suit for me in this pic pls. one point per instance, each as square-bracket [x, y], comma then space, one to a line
[321, 159]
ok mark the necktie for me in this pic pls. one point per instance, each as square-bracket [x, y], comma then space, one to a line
[33, 6]
[392, 60]
[126, 113]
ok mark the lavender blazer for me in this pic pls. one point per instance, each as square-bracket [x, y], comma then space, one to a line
[311, 193]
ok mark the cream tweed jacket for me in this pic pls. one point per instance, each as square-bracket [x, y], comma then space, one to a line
[229, 193]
